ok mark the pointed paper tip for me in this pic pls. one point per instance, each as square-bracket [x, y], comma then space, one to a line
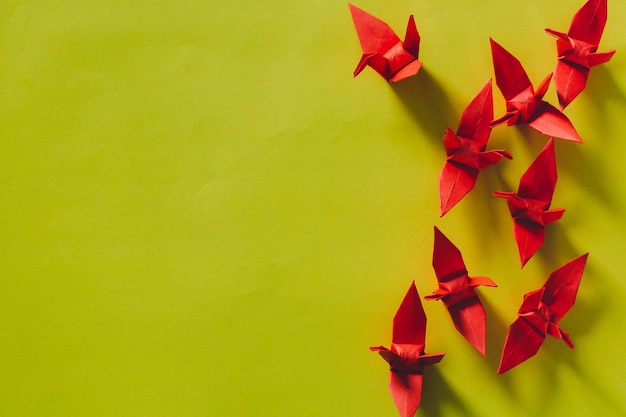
[505, 365]
[524, 258]
[550, 149]
[445, 200]
[412, 38]
[582, 259]
[502, 194]
[482, 351]
[495, 46]
[478, 344]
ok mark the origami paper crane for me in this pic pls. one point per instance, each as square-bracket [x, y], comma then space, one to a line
[466, 151]
[529, 207]
[456, 290]
[540, 312]
[577, 50]
[382, 48]
[524, 105]
[406, 357]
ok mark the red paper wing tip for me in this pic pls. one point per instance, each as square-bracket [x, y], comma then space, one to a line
[469, 319]
[455, 182]
[409, 322]
[542, 88]
[505, 365]
[356, 12]
[556, 33]
[503, 194]
[477, 115]
[412, 38]
[482, 350]
[477, 343]
[482, 281]
[409, 70]
[589, 21]
[601, 57]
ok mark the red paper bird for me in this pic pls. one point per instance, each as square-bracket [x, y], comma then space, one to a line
[530, 206]
[456, 290]
[577, 50]
[523, 103]
[406, 357]
[466, 151]
[382, 48]
[540, 312]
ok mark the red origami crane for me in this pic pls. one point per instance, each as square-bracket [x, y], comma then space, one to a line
[540, 312]
[577, 50]
[382, 48]
[530, 206]
[466, 151]
[523, 103]
[456, 290]
[406, 357]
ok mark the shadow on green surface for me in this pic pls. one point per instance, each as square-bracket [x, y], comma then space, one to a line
[557, 247]
[588, 169]
[428, 103]
[485, 209]
[437, 396]
[602, 88]
[497, 330]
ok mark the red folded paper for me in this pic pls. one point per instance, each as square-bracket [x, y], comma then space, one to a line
[530, 206]
[523, 103]
[540, 312]
[382, 48]
[457, 291]
[577, 50]
[406, 357]
[466, 151]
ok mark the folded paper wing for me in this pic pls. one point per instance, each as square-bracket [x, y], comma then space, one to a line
[465, 150]
[578, 50]
[540, 312]
[383, 50]
[406, 356]
[524, 105]
[530, 206]
[457, 291]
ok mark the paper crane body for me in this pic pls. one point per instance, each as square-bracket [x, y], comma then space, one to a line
[457, 291]
[466, 154]
[577, 50]
[406, 357]
[524, 105]
[529, 207]
[382, 48]
[540, 312]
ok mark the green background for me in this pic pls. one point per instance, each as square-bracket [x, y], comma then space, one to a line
[204, 214]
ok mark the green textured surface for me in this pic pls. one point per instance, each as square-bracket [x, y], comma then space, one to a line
[203, 214]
